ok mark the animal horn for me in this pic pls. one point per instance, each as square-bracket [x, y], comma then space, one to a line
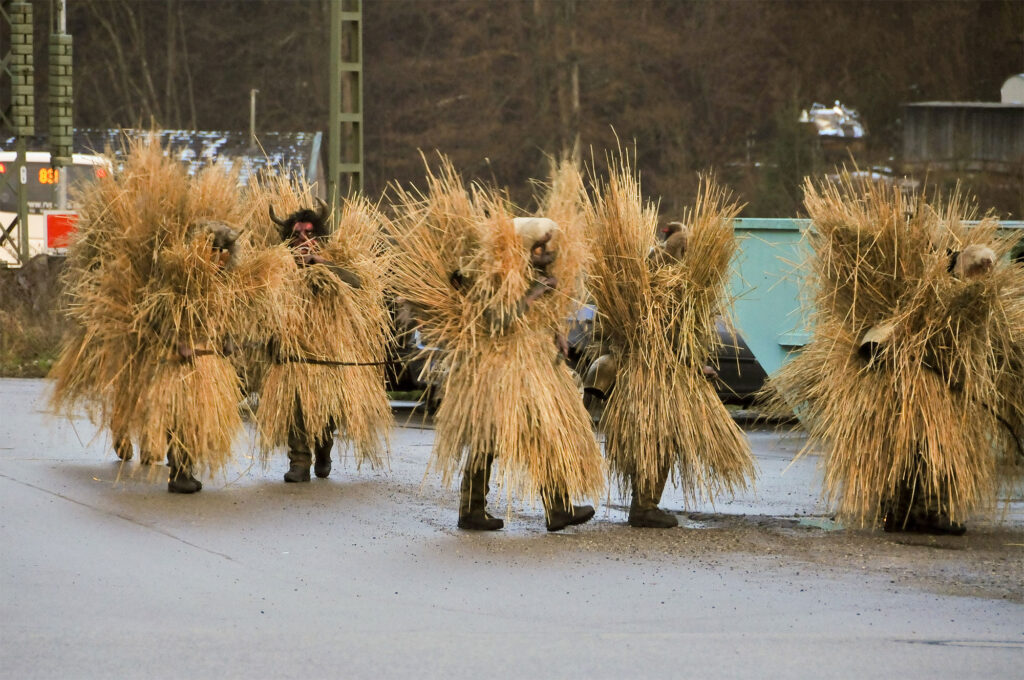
[324, 210]
[274, 218]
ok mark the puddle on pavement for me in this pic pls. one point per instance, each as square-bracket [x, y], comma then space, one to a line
[697, 520]
[687, 523]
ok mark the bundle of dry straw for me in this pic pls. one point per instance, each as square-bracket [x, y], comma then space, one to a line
[460, 264]
[659, 324]
[921, 410]
[154, 310]
[329, 339]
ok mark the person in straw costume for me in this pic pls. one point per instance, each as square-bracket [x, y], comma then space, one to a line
[913, 312]
[658, 307]
[494, 291]
[162, 289]
[101, 277]
[326, 377]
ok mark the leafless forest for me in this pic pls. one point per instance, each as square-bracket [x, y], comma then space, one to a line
[692, 85]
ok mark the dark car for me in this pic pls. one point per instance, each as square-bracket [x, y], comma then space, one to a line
[738, 374]
[740, 377]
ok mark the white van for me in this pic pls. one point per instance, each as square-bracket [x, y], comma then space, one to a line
[51, 192]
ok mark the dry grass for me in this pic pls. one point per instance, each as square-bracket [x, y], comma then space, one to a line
[507, 390]
[659, 323]
[924, 408]
[326, 321]
[140, 283]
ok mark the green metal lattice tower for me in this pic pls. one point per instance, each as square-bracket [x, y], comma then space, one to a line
[60, 89]
[18, 69]
[19, 118]
[345, 127]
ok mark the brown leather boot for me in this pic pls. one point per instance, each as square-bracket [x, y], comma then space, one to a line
[298, 468]
[123, 447]
[643, 509]
[559, 513]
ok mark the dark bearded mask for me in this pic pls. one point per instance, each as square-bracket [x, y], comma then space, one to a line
[302, 225]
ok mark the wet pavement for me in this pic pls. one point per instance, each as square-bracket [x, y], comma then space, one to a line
[104, 574]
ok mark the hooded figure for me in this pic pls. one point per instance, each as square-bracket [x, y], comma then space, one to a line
[161, 288]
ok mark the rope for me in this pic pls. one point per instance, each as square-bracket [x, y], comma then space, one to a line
[328, 362]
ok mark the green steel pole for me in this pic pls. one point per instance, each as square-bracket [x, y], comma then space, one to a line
[334, 108]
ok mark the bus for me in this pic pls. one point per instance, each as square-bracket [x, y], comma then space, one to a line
[51, 196]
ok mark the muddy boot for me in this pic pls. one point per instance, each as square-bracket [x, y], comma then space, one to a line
[473, 515]
[559, 513]
[298, 468]
[123, 448]
[180, 479]
[644, 511]
[322, 461]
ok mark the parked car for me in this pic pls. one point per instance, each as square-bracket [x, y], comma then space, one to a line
[739, 375]
[735, 371]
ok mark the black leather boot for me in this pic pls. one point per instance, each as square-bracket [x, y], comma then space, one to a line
[559, 513]
[927, 516]
[180, 479]
[643, 509]
[298, 468]
[473, 515]
[322, 460]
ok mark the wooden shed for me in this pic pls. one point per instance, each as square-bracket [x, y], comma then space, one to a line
[973, 136]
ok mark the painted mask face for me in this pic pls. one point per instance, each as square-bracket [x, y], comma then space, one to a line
[302, 236]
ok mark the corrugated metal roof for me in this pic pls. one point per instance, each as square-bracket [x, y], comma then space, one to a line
[968, 105]
[295, 152]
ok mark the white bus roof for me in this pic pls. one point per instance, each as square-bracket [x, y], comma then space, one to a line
[44, 157]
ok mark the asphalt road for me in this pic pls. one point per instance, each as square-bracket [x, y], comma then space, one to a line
[103, 574]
